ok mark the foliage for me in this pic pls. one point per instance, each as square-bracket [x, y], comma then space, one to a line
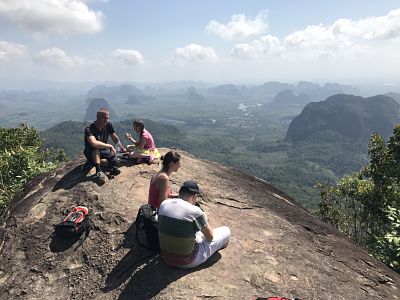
[366, 205]
[387, 246]
[22, 158]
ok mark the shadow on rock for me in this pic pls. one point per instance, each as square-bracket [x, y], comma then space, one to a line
[72, 178]
[151, 278]
[129, 238]
[148, 274]
[60, 244]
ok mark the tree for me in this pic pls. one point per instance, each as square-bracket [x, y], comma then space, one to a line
[366, 205]
[22, 158]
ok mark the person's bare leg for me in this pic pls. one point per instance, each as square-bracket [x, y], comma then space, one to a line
[137, 155]
[96, 156]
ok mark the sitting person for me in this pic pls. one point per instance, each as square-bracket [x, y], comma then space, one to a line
[144, 148]
[186, 238]
[159, 184]
[96, 146]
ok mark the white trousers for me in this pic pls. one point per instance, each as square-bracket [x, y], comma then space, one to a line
[206, 248]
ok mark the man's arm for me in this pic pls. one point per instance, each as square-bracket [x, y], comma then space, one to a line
[99, 144]
[208, 232]
[116, 140]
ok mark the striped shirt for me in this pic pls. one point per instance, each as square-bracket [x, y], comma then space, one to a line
[178, 222]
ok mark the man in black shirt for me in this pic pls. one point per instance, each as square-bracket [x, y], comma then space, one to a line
[96, 146]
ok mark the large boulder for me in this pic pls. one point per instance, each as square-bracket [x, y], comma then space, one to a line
[276, 246]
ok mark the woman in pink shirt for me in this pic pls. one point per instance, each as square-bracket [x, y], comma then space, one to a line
[144, 148]
[159, 189]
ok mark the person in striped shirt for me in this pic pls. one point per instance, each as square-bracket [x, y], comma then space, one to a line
[186, 238]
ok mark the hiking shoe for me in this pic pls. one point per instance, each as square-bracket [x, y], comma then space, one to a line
[100, 177]
[115, 171]
[86, 167]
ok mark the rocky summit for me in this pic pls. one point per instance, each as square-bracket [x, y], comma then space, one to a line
[276, 247]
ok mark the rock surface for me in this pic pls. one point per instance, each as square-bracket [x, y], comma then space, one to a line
[276, 248]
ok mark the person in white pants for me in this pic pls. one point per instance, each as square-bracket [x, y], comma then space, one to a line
[186, 238]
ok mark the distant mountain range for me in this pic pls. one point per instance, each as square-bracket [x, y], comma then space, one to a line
[137, 99]
[302, 93]
[120, 92]
[305, 92]
[351, 116]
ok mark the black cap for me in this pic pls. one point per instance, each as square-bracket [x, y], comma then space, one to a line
[191, 186]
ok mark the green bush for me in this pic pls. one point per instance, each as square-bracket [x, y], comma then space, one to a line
[366, 205]
[22, 158]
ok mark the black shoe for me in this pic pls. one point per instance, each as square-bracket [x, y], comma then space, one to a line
[115, 171]
[100, 177]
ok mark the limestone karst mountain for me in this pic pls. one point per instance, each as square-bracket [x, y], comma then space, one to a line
[276, 246]
[352, 116]
[93, 107]
[192, 95]
[287, 97]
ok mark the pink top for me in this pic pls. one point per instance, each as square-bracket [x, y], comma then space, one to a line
[149, 145]
[154, 195]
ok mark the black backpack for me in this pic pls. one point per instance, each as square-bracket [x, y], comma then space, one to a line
[146, 224]
[75, 224]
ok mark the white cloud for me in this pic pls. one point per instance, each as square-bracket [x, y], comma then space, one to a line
[127, 56]
[346, 33]
[194, 53]
[267, 45]
[239, 27]
[343, 39]
[52, 16]
[9, 51]
[56, 57]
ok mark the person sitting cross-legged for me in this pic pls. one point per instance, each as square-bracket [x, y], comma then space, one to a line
[186, 238]
[143, 149]
[96, 146]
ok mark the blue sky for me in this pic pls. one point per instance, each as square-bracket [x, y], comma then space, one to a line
[215, 41]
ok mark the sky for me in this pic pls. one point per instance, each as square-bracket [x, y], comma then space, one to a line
[219, 41]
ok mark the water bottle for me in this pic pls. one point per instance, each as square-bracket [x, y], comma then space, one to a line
[118, 151]
[118, 148]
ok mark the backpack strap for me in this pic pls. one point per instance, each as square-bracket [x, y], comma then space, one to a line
[77, 214]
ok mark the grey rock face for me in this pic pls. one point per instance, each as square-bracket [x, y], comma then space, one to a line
[276, 247]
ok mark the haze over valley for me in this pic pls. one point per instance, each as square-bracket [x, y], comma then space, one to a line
[255, 128]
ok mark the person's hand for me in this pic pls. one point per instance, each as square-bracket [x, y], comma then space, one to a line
[123, 150]
[128, 135]
[111, 148]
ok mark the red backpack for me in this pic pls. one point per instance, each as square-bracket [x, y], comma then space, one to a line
[74, 224]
